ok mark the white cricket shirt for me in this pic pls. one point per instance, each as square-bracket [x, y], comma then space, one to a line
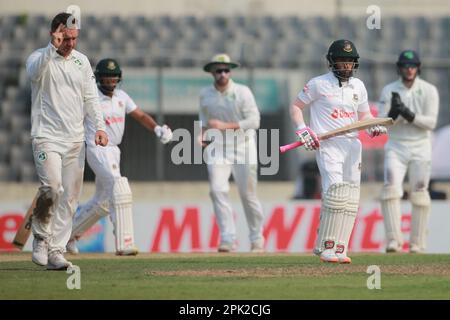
[63, 90]
[422, 99]
[332, 106]
[114, 111]
[235, 104]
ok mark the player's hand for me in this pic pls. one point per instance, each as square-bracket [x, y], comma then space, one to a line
[101, 138]
[58, 36]
[217, 124]
[399, 108]
[164, 133]
[376, 131]
[308, 138]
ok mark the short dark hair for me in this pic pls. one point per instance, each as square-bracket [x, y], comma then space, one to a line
[61, 18]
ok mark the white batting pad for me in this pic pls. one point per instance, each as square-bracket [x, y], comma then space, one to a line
[349, 217]
[123, 205]
[87, 217]
[421, 204]
[334, 203]
[390, 208]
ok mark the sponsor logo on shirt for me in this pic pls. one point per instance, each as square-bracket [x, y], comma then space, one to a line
[111, 120]
[339, 113]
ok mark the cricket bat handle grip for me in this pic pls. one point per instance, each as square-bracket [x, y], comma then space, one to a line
[290, 146]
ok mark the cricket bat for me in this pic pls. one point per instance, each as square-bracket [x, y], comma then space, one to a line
[359, 125]
[24, 231]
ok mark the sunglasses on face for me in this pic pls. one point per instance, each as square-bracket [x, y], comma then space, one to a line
[219, 71]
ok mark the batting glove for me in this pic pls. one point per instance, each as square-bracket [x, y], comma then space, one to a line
[376, 131]
[163, 133]
[308, 138]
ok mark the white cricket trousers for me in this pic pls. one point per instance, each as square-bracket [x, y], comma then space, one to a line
[60, 167]
[245, 176]
[105, 163]
[402, 157]
[339, 160]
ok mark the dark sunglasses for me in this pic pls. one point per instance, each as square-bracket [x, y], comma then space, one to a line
[219, 71]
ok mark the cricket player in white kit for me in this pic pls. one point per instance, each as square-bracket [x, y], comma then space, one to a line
[112, 194]
[63, 90]
[231, 108]
[414, 105]
[335, 99]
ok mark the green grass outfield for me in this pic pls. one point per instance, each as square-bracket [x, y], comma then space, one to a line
[228, 276]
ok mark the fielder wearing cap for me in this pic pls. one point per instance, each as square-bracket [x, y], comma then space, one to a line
[228, 110]
[414, 105]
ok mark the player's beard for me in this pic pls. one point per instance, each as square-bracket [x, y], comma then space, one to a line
[222, 81]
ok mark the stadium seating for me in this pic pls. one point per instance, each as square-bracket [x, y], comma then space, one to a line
[289, 42]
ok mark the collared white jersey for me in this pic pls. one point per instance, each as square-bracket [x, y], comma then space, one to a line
[114, 111]
[332, 106]
[63, 90]
[235, 104]
[422, 99]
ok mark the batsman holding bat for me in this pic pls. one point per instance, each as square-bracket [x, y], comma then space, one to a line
[63, 90]
[112, 194]
[336, 99]
[414, 105]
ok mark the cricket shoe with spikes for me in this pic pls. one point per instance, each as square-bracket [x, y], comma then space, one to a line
[393, 246]
[56, 261]
[226, 247]
[40, 251]
[342, 255]
[71, 247]
[329, 254]
[133, 251]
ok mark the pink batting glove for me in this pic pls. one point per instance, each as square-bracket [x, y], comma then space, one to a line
[308, 138]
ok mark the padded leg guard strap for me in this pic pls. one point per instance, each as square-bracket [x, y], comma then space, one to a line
[122, 202]
[390, 208]
[334, 202]
[421, 205]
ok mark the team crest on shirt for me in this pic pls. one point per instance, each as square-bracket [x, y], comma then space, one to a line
[42, 156]
[355, 97]
[78, 62]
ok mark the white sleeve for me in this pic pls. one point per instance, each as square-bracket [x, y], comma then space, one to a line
[38, 61]
[91, 99]
[364, 104]
[384, 103]
[130, 106]
[309, 92]
[202, 117]
[427, 120]
[249, 111]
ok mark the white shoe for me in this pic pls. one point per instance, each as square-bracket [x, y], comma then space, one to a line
[393, 246]
[56, 261]
[342, 255]
[71, 247]
[226, 247]
[328, 255]
[128, 252]
[414, 249]
[257, 246]
[40, 251]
